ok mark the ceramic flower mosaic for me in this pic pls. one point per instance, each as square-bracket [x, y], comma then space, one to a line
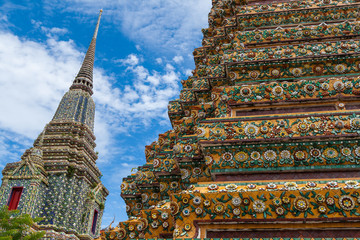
[265, 134]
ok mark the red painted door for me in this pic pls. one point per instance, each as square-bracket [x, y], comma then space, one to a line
[15, 197]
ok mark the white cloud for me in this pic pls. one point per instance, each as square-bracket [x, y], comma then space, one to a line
[170, 26]
[11, 146]
[33, 79]
[52, 32]
[178, 59]
[143, 100]
[169, 67]
[131, 60]
[166, 27]
[36, 75]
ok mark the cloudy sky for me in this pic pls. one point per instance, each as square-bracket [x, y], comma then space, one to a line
[144, 49]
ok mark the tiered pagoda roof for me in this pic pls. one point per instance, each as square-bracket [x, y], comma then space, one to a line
[265, 138]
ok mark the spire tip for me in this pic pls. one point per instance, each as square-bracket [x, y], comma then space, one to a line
[85, 76]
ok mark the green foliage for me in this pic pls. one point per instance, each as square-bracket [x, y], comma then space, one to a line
[14, 226]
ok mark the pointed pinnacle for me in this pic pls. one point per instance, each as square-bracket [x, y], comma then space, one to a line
[84, 79]
[97, 25]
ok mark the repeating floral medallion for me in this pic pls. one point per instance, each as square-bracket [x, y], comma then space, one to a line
[272, 201]
[276, 127]
[301, 90]
[302, 156]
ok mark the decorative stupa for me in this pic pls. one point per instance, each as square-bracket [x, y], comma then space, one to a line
[57, 178]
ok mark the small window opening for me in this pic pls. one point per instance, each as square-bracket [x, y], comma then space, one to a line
[94, 222]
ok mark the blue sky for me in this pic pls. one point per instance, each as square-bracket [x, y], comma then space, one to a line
[144, 49]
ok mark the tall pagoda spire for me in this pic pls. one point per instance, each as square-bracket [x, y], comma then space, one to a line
[77, 104]
[57, 179]
[84, 79]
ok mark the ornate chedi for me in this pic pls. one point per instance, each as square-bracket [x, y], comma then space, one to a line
[265, 138]
[57, 179]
